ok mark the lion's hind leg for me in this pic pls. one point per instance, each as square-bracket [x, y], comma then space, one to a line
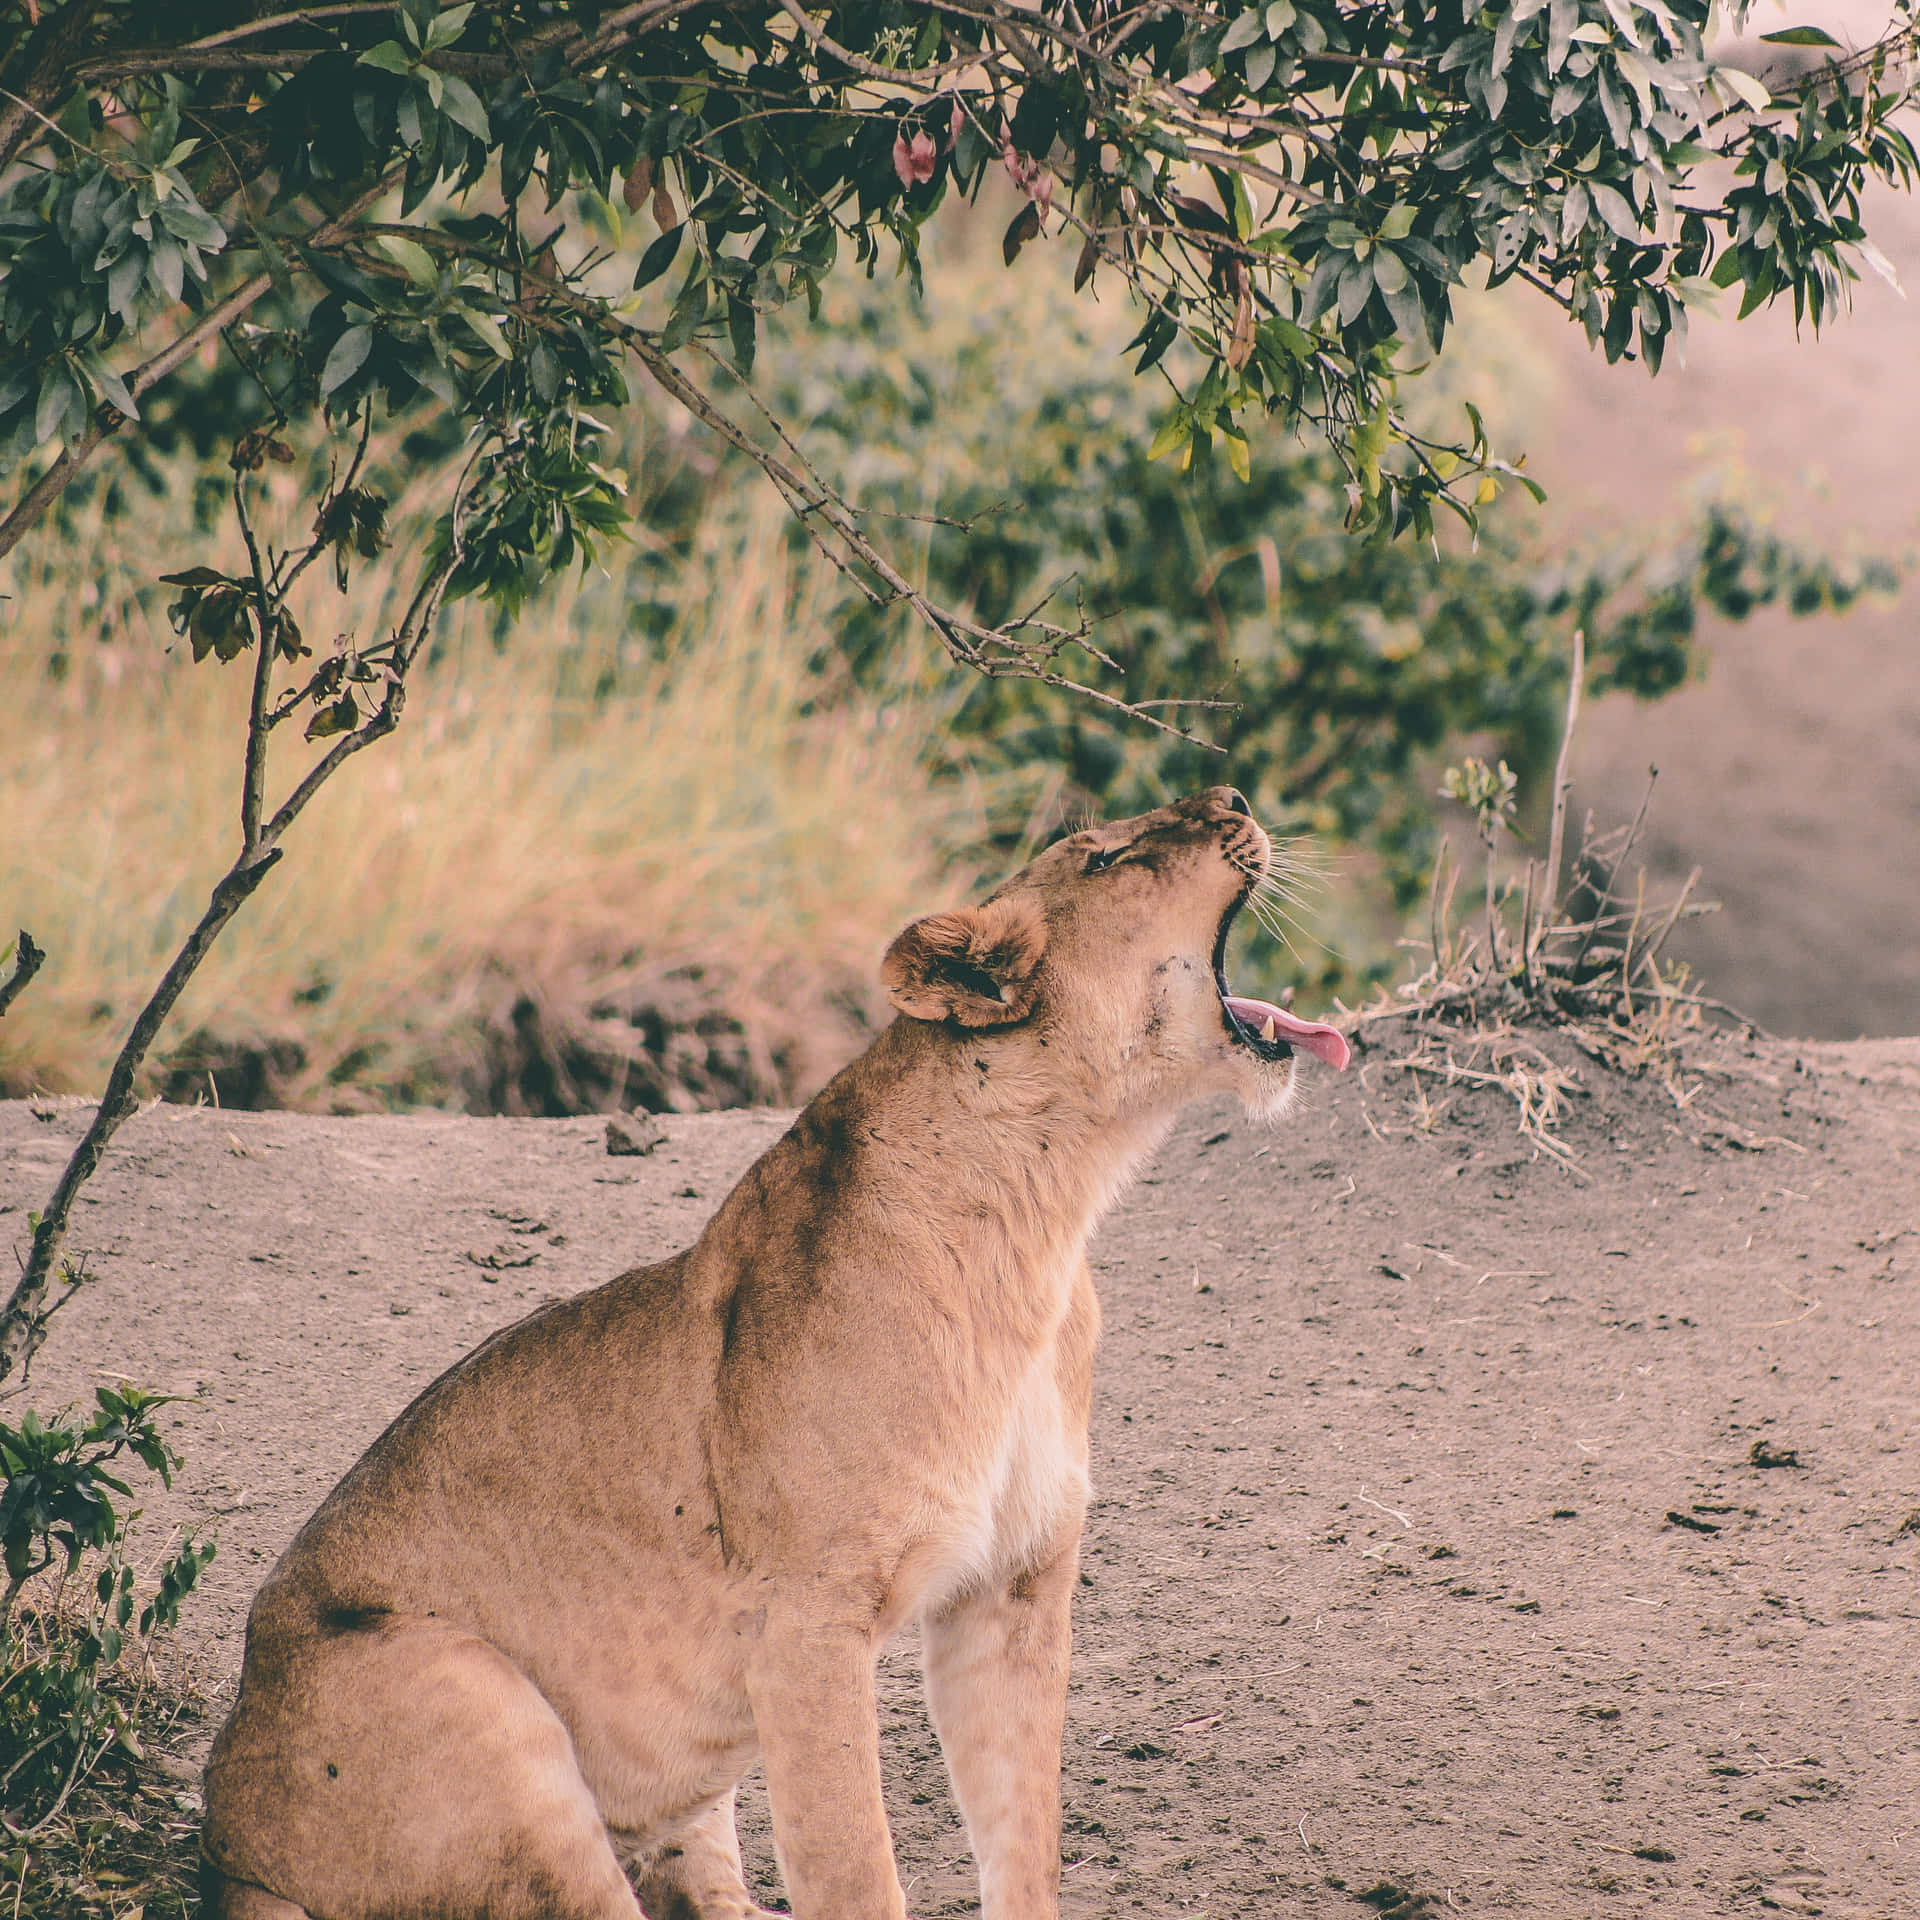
[224, 1899]
[400, 1768]
[695, 1872]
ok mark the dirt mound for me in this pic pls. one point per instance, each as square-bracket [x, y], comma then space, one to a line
[1470, 1531]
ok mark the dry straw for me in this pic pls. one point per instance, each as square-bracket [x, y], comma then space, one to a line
[574, 845]
[1585, 963]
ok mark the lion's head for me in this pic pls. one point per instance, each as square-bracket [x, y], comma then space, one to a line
[1110, 949]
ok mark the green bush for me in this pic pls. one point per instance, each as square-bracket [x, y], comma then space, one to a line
[73, 1658]
[1353, 665]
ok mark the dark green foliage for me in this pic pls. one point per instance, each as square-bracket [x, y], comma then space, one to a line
[1292, 189]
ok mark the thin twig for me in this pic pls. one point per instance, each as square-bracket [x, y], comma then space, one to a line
[1562, 785]
[266, 608]
[1652, 951]
[1613, 873]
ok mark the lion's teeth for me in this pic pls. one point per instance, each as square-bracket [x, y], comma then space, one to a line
[1268, 1030]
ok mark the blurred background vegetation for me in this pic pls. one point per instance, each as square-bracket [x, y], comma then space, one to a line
[643, 844]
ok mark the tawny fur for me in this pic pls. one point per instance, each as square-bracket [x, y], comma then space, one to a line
[517, 1661]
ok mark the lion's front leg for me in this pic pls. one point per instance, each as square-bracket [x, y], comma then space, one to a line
[996, 1664]
[815, 1712]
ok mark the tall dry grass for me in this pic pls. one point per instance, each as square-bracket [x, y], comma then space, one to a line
[589, 869]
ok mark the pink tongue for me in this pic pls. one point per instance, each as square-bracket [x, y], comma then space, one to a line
[1323, 1042]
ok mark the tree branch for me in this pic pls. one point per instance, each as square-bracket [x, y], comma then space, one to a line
[24, 1317]
[43, 81]
[22, 1320]
[27, 961]
[300, 17]
[253, 781]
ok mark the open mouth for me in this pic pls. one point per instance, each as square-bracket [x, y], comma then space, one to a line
[1267, 1031]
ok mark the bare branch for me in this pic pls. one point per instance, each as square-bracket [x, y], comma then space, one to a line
[266, 608]
[27, 961]
[43, 78]
[22, 1320]
[858, 63]
[24, 1317]
[1562, 786]
[300, 17]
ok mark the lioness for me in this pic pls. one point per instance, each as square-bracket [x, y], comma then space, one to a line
[517, 1661]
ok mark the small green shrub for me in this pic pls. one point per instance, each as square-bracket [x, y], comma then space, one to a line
[75, 1651]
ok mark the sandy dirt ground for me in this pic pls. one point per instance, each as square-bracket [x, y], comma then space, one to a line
[1429, 1569]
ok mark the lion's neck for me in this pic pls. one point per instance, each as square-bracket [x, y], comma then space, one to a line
[983, 1158]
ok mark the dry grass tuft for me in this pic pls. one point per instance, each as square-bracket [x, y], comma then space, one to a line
[590, 869]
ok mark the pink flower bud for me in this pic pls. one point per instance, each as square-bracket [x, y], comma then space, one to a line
[1029, 175]
[913, 159]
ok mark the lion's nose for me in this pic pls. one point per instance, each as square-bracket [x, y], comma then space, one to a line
[1232, 799]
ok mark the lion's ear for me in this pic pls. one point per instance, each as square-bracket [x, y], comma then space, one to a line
[975, 965]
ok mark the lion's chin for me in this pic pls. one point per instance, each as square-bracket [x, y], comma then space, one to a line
[1268, 1091]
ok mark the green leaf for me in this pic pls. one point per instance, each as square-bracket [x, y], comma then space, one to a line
[124, 278]
[1280, 16]
[186, 219]
[1750, 90]
[389, 56]
[488, 328]
[1691, 291]
[1389, 270]
[56, 396]
[461, 104]
[1176, 430]
[1615, 209]
[411, 257]
[1398, 222]
[1879, 262]
[448, 27]
[689, 310]
[1800, 37]
[111, 385]
[1639, 76]
[659, 256]
[1356, 289]
[1250, 26]
[166, 265]
[1238, 456]
[345, 358]
[740, 331]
